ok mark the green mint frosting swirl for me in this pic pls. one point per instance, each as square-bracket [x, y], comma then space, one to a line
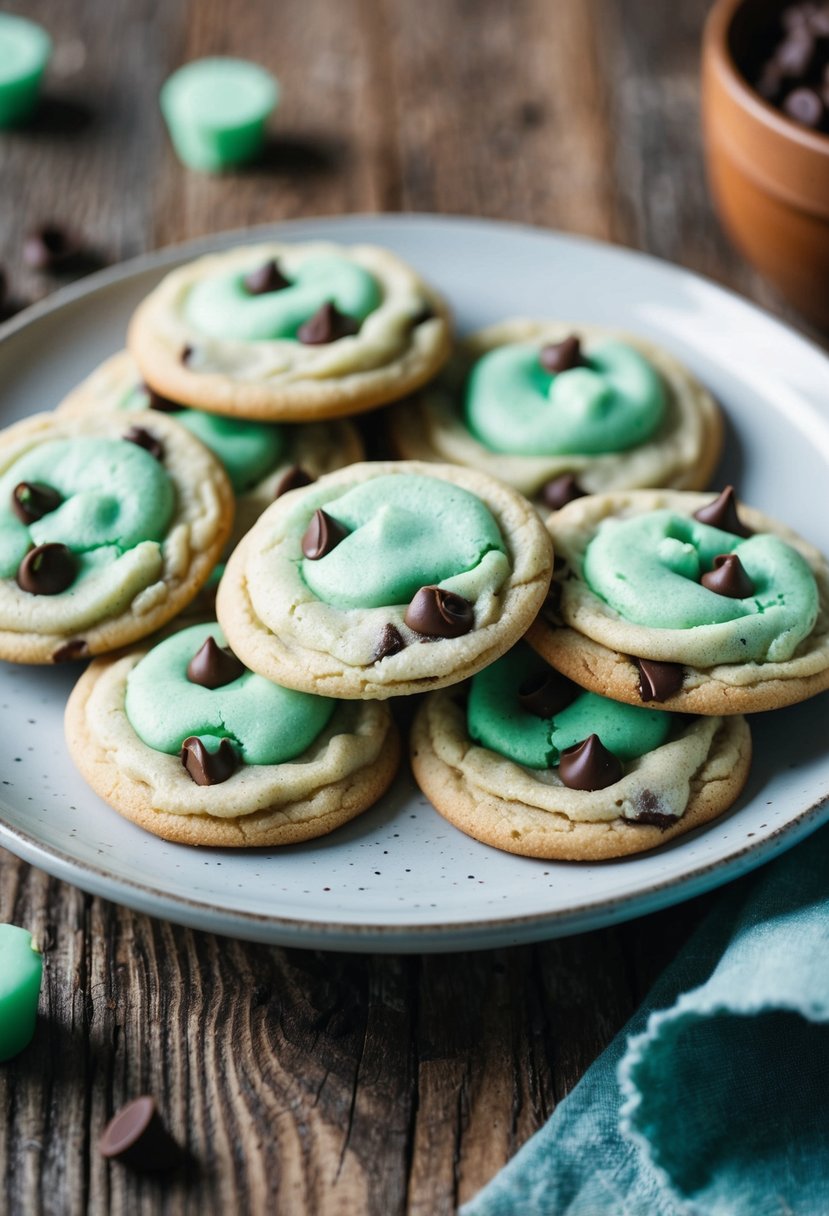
[405, 532]
[514, 406]
[115, 497]
[497, 720]
[266, 723]
[222, 307]
[249, 451]
[648, 568]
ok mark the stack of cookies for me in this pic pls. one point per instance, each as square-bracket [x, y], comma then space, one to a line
[587, 627]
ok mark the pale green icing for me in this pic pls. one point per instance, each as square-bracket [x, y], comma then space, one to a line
[267, 724]
[116, 496]
[497, 720]
[648, 567]
[405, 532]
[221, 306]
[512, 405]
[249, 451]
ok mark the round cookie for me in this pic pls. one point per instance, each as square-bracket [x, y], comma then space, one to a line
[277, 453]
[674, 441]
[290, 333]
[343, 770]
[779, 620]
[515, 799]
[108, 528]
[422, 575]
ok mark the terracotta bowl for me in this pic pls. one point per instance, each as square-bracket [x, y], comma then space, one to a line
[769, 175]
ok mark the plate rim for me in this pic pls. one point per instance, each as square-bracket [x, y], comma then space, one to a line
[400, 935]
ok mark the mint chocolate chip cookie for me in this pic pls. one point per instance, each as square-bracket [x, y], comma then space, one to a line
[527, 761]
[685, 600]
[385, 579]
[290, 333]
[559, 411]
[186, 742]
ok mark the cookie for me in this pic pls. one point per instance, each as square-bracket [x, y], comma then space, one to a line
[261, 459]
[109, 526]
[385, 579]
[290, 333]
[182, 740]
[557, 411]
[527, 762]
[686, 601]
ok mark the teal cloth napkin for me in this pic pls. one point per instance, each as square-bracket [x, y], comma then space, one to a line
[714, 1099]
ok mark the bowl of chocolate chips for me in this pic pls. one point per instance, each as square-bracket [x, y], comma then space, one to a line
[765, 102]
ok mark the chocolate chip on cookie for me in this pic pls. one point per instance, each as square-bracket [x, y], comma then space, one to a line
[213, 666]
[327, 324]
[265, 278]
[562, 356]
[439, 614]
[31, 500]
[208, 768]
[546, 693]
[47, 570]
[728, 577]
[145, 439]
[293, 478]
[722, 513]
[391, 642]
[589, 766]
[658, 681]
[322, 535]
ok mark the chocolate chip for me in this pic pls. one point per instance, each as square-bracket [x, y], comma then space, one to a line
[546, 693]
[647, 811]
[391, 642]
[804, 106]
[70, 651]
[322, 535]
[589, 766]
[187, 352]
[31, 500]
[728, 577]
[208, 768]
[265, 279]
[561, 490]
[328, 324]
[47, 570]
[658, 681]
[439, 613]
[145, 439]
[213, 667]
[292, 479]
[137, 1137]
[722, 514]
[50, 248]
[562, 356]
[156, 402]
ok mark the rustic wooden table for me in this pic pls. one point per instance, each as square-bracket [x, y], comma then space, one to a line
[306, 1082]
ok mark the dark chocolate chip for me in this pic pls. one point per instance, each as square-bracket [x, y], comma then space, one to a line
[145, 439]
[322, 535]
[187, 352]
[31, 500]
[722, 513]
[47, 570]
[439, 614]
[804, 106]
[657, 680]
[656, 819]
[265, 279]
[589, 766]
[561, 490]
[391, 642]
[546, 693]
[213, 667]
[208, 768]
[70, 651]
[50, 248]
[328, 324]
[155, 401]
[562, 356]
[728, 577]
[292, 479]
[137, 1137]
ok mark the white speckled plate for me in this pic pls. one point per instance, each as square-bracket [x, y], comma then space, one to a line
[399, 877]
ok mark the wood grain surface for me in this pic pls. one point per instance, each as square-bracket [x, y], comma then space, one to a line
[305, 1082]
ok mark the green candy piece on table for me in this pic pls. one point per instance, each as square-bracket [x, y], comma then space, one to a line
[497, 720]
[404, 532]
[515, 406]
[24, 52]
[216, 110]
[21, 970]
[222, 306]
